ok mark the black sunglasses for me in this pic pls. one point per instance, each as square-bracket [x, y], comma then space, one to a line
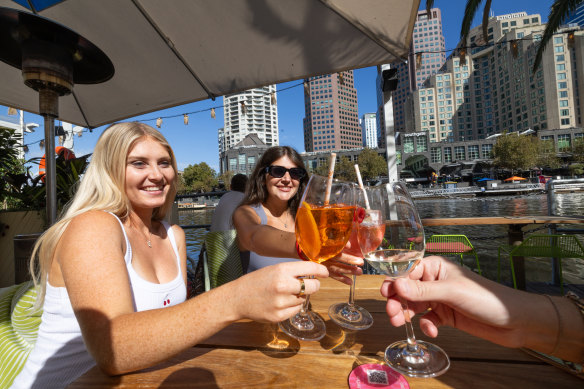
[296, 173]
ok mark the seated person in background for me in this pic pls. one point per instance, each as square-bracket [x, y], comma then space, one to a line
[460, 298]
[112, 272]
[222, 216]
[265, 219]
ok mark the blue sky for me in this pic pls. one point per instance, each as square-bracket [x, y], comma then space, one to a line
[197, 142]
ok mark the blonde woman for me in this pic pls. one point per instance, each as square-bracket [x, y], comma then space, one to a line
[112, 272]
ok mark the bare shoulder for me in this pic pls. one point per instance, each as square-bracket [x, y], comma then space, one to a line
[178, 232]
[94, 223]
[245, 214]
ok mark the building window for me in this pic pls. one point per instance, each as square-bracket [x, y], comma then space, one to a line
[473, 152]
[421, 144]
[487, 151]
[409, 145]
[436, 155]
[564, 143]
[447, 154]
[459, 153]
[233, 164]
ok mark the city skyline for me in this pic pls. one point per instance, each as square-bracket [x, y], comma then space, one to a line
[197, 142]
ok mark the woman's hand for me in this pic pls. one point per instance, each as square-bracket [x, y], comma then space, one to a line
[453, 296]
[271, 293]
[342, 265]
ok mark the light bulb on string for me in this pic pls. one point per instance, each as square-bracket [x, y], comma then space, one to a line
[341, 78]
[419, 60]
[243, 108]
[42, 144]
[306, 87]
[158, 122]
[213, 113]
[514, 48]
[25, 148]
[186, 119]
[12, 111]
[273, 98]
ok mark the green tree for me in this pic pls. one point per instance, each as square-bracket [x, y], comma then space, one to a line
[344, 170]
[225, 178]
[9, 163]
[578, 150]
[547, 156]
[515, 152]
[559, 10]
[371, 164]
[199, 178]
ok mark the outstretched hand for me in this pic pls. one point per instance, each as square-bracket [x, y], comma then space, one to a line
[453, 296]
[342, 265]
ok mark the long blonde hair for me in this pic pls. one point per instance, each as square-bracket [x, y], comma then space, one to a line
[101, 188]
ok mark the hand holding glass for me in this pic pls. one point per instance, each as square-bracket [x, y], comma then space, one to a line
[401, 249]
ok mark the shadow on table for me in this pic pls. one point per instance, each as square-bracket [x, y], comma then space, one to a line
[192, 376]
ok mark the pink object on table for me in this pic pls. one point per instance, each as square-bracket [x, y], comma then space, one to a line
[447, 247]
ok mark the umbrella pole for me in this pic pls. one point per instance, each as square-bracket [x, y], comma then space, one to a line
[49, 109]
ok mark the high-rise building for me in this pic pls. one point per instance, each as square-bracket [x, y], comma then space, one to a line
[495, 90]
[369, 130]
[331, 119]
[252, 111]
[428, 40]
[576, 17]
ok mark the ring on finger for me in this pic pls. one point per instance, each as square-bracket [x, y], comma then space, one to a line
[302, 292]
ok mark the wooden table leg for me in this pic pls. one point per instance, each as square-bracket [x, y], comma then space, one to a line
[515, 238]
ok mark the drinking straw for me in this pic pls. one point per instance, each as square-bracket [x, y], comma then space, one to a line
[329, 181]
[360, 181]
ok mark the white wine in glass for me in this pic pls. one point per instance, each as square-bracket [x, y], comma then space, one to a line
[401, 249]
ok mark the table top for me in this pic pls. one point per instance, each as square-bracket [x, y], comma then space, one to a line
[252, 354]
[486, 220]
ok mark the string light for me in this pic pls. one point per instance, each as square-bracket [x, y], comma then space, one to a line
[462, 55]
[418, 60]
[243, 108]
[273, 98]
[213, 113]
[341, 79]
[12, 111]
[186, 119]
[306, 88]
[571, 39]
[159, 122]
[42, 144]
[514, 48]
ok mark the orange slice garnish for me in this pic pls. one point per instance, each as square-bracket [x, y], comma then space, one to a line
[307, 232]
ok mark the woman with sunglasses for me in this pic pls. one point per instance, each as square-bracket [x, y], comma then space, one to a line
[265, 219]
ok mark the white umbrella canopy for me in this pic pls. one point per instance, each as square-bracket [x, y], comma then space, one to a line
[169, 53]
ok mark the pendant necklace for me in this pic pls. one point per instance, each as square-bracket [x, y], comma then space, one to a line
[148, 239]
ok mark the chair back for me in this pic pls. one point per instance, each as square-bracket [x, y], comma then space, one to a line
[557, 246]
[223, 258]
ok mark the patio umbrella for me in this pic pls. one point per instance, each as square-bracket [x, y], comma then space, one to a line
[515, 178]
[169, 53]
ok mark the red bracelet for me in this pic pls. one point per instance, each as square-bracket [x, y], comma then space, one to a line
[300, 253]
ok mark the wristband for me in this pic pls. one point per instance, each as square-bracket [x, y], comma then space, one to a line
[300, 253]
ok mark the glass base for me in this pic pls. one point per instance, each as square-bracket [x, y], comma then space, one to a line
[351, 317]
[430, 361]
[304, 326]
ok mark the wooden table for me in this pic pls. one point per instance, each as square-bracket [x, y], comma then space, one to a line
[516, 224]
[251, 354]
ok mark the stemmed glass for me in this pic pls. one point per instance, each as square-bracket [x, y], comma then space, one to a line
[401, 249]
[366, 235]
[323, 226]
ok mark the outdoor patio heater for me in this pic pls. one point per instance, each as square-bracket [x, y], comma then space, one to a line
[53, 59]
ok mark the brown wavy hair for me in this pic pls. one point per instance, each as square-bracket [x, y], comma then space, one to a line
[256, 191]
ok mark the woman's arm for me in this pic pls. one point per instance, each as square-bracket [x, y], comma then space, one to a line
[462, 299]
[90, 256]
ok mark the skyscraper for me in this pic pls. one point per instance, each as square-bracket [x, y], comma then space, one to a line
[252, 111]
[331, 119]
[495, 90]
[369, 130]
[577, 17]
[428, 40]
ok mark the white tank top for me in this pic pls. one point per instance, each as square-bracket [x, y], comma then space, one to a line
[59, 356]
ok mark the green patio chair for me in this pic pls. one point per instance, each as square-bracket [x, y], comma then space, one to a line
[19, 324]
[457, 245]
[542, 246]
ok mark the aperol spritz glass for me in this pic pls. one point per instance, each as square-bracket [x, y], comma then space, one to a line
[323, 226]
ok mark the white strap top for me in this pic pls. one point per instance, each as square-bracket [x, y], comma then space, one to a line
[59, 356]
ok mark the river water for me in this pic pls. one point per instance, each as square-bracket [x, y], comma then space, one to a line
[485, 239]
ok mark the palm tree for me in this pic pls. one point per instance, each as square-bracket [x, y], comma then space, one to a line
[559, 10]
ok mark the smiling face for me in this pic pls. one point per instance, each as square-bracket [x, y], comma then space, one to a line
[149, 174]
[283, 188]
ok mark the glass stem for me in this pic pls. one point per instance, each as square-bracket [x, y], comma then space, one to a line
[306, 304]
[352, 292]
[412, 345]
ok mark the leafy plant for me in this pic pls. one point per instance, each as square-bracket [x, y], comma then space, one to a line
[30, 192]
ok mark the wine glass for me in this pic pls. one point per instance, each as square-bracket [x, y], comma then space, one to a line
[366, 235]
[323, 226]
[401, 249]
